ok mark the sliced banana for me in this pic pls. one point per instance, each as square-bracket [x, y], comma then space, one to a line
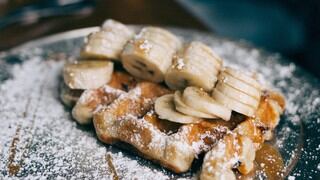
[193, 66]
[87, 74]
[206, 66]
[237, 95]
[238, 91]
[180, 76]
[183, 108]
[97, 45]
[145, 59]
[165, 108]
[116, 26]
[108, 42]
[247, 78]
[165, 33]
[160, 36]
[239, 85]
[201, 101]
[206, 52]
[233, 103]
[68, 96]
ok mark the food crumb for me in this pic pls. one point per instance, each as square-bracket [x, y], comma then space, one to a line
[180, 63]
[291, 178]
[146, 46]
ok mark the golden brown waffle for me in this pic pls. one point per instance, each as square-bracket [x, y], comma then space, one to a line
[131, 119]
[123, 112]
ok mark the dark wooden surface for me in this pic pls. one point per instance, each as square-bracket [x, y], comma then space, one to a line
[164, 12]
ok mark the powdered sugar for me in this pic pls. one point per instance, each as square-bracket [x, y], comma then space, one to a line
[291, 178]
[199, 146]
[49, 144]
[180, 64]
[109, 90]
[145, 46]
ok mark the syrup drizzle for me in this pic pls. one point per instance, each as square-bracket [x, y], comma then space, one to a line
[268, 165]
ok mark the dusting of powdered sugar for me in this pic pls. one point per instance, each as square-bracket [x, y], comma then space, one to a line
[48, 144]
[39, 139]
[180, 64]
[145, 46]
[200, 145]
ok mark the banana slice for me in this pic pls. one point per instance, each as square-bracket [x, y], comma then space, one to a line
[247, 78]
[145, 59]
[165, 33]
[205, 51]
[235, 90]
[180, 76]
[108, 42]
[183, 108]
[164, 107]
[233, 103]
[239, 85]
[68, 96]
[116, 26]
[87, 74]
[237, 95]
[98, 46]
[160, 36]
[194, 66]
[201, 101]
[206, 66]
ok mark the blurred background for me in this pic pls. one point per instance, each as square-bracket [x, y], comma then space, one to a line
[289, 27]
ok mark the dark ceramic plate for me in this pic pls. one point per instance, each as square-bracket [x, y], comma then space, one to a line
[38, 138]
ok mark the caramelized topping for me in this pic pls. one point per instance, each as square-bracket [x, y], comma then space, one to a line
[269, 161]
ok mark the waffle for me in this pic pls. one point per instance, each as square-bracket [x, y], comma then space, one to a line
[131, 119]
[120, 83]
[124, 112]
[231, 152]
